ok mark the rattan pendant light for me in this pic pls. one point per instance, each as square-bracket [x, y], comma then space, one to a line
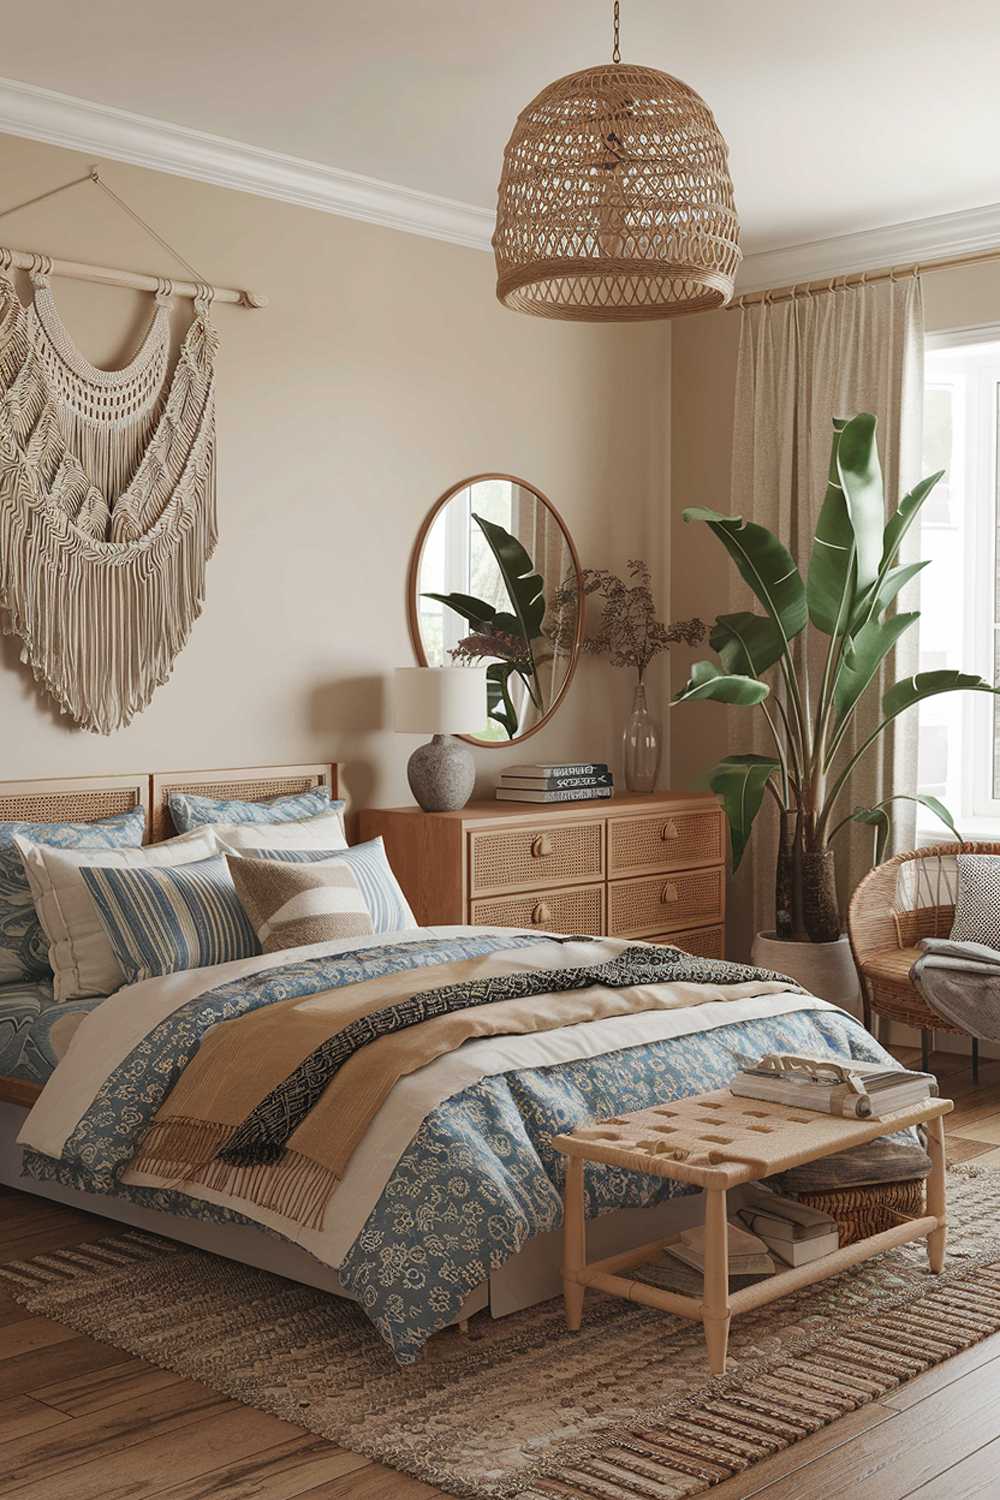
[615, 201]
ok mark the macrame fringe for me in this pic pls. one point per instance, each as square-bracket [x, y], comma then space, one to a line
[104, 596]
[297, 1188]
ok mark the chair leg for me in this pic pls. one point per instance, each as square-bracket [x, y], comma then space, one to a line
[925, 1050]
[975, 1059]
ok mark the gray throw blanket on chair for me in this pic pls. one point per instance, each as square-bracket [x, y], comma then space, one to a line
[961, 981]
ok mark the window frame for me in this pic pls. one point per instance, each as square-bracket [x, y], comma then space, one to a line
[977, 435]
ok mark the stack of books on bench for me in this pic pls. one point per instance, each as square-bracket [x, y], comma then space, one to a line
[793, 1231]
[556, 781]
[682, 1267]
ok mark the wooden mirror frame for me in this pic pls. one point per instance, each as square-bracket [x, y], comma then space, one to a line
[413, 580]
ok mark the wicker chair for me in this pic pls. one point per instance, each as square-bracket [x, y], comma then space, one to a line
[908, 898]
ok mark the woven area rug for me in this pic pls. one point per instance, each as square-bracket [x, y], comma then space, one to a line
[623, 1410]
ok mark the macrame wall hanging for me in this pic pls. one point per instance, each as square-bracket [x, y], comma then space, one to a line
[107, 490]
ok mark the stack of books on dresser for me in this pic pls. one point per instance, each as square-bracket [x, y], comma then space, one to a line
[556, 781]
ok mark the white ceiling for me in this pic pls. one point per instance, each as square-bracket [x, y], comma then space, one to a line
[839, 118]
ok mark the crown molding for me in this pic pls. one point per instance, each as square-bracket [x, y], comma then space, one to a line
[119, 135]
[939, 238]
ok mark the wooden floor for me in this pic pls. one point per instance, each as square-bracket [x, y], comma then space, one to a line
[82, 1421]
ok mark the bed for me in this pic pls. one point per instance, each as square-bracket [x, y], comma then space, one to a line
[450, 1201]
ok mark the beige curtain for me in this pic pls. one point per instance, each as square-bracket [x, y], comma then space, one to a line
[801, 363]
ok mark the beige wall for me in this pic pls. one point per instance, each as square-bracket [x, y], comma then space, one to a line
[703, 378]
[382, 371]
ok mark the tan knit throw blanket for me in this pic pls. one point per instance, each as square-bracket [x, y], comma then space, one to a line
[240, 1062]
[107, 505]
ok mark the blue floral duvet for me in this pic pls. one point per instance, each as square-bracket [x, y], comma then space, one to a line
[480, 1177]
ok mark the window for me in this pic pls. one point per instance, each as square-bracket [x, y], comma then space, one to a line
[959, 733]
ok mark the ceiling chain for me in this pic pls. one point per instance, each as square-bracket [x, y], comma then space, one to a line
[616, 55]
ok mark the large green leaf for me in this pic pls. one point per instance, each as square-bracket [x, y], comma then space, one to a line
[706, 681]
[476, 611]
[741, 780]
[830, 580]
[911, 690]
[525, 588]
[900, 522]
[499, 705]
[878, 817]
[746, 643]
[876, 600]
[861, 480]
[764, 563]
[863, 656]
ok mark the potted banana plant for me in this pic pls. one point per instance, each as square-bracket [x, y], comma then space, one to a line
[846, 600]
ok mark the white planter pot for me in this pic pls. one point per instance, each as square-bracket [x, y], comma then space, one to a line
[824, 969]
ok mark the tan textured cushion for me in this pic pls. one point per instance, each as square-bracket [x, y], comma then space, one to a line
[290, 905]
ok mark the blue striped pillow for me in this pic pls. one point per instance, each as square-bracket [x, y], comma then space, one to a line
[388, 907]
[190, 811]
[171, 917]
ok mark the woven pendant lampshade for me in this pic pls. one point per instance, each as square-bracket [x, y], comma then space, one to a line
[615, 201]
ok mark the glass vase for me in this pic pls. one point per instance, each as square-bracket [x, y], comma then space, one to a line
[643, 745]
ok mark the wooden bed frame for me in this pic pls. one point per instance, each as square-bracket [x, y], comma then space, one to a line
[532, 1275]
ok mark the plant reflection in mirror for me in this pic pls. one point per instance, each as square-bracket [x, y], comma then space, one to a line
[509, 636]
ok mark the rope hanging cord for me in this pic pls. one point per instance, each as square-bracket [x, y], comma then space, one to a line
[196, 288]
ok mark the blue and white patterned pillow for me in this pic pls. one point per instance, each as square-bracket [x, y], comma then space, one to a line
[20, 1007]
[389, 908]
[171, 917]
[23, 946]
[190, 811]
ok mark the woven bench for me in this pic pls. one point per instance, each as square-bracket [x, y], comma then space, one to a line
[717, 1142]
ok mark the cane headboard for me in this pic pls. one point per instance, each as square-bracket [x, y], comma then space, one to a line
[80, 799]
[254, 784]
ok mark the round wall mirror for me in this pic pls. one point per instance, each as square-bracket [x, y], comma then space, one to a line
[495, 582]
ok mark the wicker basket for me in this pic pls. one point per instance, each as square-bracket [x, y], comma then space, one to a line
[863, 1211]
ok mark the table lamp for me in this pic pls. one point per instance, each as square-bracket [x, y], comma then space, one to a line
[442, 702]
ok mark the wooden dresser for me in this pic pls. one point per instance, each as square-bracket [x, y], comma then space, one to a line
[633, 866]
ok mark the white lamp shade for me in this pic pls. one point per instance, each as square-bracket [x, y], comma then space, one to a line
[439, 700]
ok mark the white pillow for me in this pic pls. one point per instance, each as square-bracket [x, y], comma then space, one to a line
[977, 910]
[324, 831]
[80, 952]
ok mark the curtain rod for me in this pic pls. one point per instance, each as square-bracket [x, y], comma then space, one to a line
[27, 260]
[860, 278]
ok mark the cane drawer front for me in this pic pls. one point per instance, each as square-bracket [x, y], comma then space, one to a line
[531, 858]
[572, 909]
[703, 942]
[666, 841]
[662, 903]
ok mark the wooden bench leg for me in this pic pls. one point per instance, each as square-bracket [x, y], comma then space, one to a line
[715, 1295]
[574, 1242]
[936, 1195]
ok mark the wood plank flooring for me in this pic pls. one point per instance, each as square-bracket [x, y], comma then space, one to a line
[82, 1421]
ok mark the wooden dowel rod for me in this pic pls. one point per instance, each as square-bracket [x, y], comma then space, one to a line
[649, 1296]
[25, 260]
[625, 1259]
[773, 1287]
[859, 278]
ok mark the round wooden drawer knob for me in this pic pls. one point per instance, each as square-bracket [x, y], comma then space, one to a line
[541, 846]
[542, 914]
[668, 831]
[668, 894]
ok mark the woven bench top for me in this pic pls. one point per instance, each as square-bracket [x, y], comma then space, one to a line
[719, 1140]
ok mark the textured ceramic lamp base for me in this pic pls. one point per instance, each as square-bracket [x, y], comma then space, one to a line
[442, 774]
